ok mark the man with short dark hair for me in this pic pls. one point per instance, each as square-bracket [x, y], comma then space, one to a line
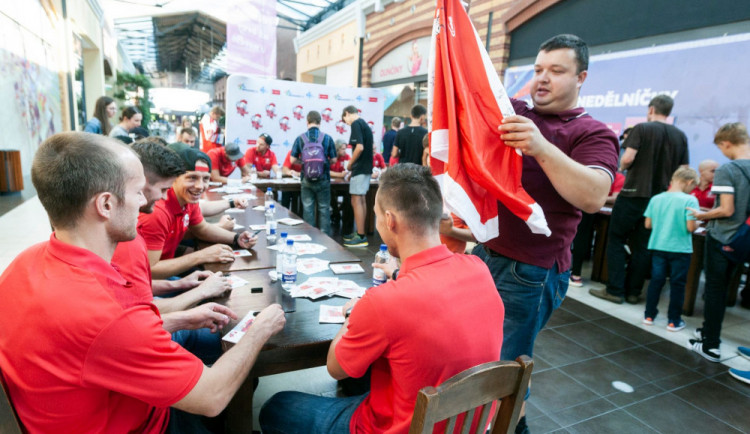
[389, 137]
[225, 160]
[360, 168]
[414, 331]
[165, 227]
[263, 158]
[77, 354]
[569, 164]
[315, 192]
[653, 151]
[408, 144]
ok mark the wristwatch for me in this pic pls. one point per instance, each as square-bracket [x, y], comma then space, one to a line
[395, 274]
[231, 203]
[236, 243]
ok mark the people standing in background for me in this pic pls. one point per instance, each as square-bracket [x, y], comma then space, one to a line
[702, 191]
[360, 166]
[209, 128]
[408, 145]
[130, 118]
[104, 110]
[187, 124]
[263, 158]
[389, 137]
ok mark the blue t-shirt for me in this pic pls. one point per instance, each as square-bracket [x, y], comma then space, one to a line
[388, 139]
[669, 215]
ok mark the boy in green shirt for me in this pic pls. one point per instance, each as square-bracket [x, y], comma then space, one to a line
[671, 245]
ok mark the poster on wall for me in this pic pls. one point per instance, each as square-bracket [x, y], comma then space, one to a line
[279, 108]
[702, 76]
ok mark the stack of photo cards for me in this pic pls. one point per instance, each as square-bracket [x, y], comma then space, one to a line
[317, 287]
[227, 189]
[352, 268]
[236, 281]
[247, 196]
[309, 248]
[240, 329]
[311, 265]
[331, 314]
[290, 221]
[259, 208]
[297, 238]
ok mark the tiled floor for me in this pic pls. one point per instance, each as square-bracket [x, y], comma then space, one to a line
[588, 345]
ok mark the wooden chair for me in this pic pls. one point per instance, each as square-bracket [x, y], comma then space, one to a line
[475, 389]
[9, 423]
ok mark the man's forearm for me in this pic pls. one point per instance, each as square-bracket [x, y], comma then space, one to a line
[355, 154]
[581, 186]
[171, 267]
[212, 207]
[180, 302]
[213, 234]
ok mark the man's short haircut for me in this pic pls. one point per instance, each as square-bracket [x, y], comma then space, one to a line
[351, 110]
[340, 144]
[396, 122]
[189, 131]
[158, 160]
[72, 167]
[413, 192]
[573, 42]
[662, 104]
[733, 132]
[417, 111]
[313, 117]
[190, 156]
[217, 110]
[128, 112]
[686, 174]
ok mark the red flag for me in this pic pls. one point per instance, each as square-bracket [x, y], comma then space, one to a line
[466, 103]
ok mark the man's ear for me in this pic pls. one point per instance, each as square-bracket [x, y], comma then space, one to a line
[391, 221]
[104, 204]
[581, 78]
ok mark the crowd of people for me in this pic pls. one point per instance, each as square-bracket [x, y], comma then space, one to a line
[129, 345]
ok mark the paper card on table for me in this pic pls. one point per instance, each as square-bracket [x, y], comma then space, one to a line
[237, 227]
[239, 196]
[213, 183]
[259, 208]
[316, 287]
[275, 247]
[299, 237]
[290, 221]
[242, 253]
[347, 268]
[257, 227]
[236, 281]
[311, 265]
[331, 315]
[234, 211]
[227, 190]
[309, 248]
[241, 328]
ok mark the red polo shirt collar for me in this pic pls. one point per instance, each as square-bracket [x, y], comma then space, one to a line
[173, 204]
[425, 257]
[84, 259]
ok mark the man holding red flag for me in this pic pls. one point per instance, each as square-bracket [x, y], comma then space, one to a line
[568, 164]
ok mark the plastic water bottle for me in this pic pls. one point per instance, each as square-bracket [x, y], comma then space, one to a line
[253, 173]
[280, 244]
[378, 276]
[271, 238]
[271, 219]
[289, 266]
[268, 198]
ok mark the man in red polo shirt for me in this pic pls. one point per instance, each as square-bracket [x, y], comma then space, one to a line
[702, 191]
[413, 331]
[263, 158]
[225, 160]
[165, 227]
[74, 357]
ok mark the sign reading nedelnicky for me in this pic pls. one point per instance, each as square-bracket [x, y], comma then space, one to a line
[407, 60]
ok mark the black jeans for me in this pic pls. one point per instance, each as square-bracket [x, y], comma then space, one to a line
[626, 226]
[718, 269]
[582, 243]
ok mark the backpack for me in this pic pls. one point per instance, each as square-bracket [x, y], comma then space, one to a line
[738, 248]
[313, 158]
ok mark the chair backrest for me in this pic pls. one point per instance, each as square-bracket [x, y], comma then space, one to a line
[9, 423]
[475, 390]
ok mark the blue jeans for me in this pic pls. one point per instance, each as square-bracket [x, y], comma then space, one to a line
[297, 412]
[530, 294]
[319, 192]
[676, 266]
[204, 344]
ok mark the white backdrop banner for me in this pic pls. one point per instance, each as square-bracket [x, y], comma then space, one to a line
[279, 108]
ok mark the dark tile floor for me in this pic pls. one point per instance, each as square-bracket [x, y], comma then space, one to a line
[8, 201]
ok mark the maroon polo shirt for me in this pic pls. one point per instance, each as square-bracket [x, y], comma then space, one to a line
[586, 141]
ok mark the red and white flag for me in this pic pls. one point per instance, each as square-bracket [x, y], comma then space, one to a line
[466, 104]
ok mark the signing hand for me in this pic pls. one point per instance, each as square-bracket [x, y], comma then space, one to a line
[241, 203]
[246, 240]
[269, 321]
[521, 133]
[193, 279]
[226, 222]
[349, 304]
[217, 253]
[215, 285]
[210, 315]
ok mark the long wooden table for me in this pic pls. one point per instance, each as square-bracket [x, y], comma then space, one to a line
[304, 342]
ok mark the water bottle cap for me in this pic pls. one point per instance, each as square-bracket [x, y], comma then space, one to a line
[283, 235]
[272, 206]
[268, 189]
[273, 231]
[253, 166]
[383, 248]
[289, 242]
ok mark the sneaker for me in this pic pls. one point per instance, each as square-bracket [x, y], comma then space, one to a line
[676, 326]
[744, 352]
[743, 376]
[575, 281]
[648, 321]
[357, 241]
[698, 333]
[604, 295]
[710, 354]
[632, 299]
[350, 236]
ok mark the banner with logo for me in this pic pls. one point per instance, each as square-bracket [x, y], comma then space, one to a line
[279, 108]
[704, 77]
